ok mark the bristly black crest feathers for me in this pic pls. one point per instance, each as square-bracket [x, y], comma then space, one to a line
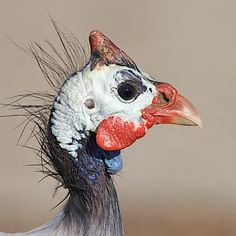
[35, 107]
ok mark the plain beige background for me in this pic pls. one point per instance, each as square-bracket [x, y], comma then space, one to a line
[177, 181]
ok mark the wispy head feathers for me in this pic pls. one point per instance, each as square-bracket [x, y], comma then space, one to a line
[56, 64]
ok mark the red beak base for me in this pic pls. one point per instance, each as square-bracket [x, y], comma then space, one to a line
[169, 107]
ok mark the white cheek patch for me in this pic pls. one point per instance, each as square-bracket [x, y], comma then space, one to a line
[70, 122]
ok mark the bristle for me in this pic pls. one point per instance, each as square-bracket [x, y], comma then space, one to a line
[35, 107]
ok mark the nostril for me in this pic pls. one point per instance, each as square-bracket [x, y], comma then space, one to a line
[165, 98]
[166, 93]
[161, 99]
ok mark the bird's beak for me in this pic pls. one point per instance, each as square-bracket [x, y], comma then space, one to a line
[169, 107]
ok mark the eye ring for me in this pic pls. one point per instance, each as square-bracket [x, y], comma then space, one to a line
[127, 91]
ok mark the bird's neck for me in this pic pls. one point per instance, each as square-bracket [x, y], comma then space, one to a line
[92, 207]
[85, 215]
[81, 217]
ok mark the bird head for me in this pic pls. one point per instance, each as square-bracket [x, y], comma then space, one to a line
[114, 99]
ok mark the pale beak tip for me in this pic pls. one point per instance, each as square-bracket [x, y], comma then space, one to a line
[199, 122]
[195, 121]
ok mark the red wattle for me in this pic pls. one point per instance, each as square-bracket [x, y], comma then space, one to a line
[115, 134]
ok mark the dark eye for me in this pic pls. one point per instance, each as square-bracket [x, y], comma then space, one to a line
[127, 91]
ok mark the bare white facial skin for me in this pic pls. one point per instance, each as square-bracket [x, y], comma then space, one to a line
[72, 119]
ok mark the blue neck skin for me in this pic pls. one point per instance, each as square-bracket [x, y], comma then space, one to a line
[94, 163]
[112, 159]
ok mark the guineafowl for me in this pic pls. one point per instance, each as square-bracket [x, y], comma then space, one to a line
[94, 111]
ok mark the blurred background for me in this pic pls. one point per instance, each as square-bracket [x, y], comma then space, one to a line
[177, 181]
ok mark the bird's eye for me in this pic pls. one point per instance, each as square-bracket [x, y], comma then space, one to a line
[127, 91]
